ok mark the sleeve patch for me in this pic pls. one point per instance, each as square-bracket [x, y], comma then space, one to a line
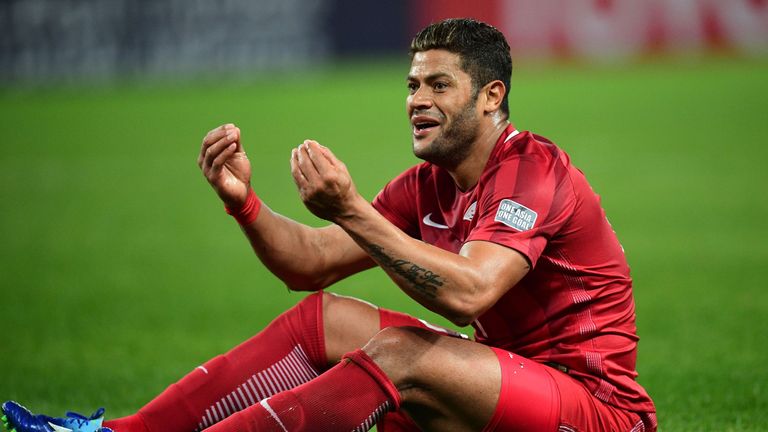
[515, 215]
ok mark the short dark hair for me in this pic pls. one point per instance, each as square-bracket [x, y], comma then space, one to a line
[483, 50]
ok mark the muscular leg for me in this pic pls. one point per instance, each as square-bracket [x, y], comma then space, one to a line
[450, 384]
[348, 324]
[446, 383]
[324, 325]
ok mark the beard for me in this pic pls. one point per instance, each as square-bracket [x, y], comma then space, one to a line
[455, 142]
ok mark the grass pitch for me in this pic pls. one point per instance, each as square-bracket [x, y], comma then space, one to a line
[120, 272]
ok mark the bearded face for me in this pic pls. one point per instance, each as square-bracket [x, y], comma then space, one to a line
[442, 107]
[453, 140]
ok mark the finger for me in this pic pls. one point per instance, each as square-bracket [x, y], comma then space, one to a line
[214, 136]
[239, 141]
[306, 166]
[333, 160]
[328, 154]
[214, 150]
[218, 161]
[298, 177]
[318, 157]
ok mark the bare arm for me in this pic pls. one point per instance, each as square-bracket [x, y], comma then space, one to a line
[305, 258]
[459, 287]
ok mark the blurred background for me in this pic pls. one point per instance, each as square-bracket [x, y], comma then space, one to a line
[120, 272]
[46, 40]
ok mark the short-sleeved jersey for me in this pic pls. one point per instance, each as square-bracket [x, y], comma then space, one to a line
[574, 308]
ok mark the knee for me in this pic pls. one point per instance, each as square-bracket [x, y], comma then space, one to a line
[333, 302]
[398, 341]
[399, 351]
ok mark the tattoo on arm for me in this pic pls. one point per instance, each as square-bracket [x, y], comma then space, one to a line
[421, 279]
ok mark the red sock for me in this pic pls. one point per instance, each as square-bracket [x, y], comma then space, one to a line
[351, 396]
[287, 353]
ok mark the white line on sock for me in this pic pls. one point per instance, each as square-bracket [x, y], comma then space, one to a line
[271, 412]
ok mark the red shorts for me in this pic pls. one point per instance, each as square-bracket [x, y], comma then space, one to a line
[536, 397]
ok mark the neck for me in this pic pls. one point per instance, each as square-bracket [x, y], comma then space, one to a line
[467, 173]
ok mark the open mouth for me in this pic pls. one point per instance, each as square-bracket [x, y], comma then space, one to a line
[421, 127]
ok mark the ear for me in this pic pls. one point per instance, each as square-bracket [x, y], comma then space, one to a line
[493, 95]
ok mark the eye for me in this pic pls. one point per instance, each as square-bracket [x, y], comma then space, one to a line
[412, 87]
[440, 86]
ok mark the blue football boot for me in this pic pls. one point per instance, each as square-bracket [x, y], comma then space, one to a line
[17, 418]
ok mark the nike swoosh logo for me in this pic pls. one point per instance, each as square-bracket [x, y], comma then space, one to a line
[430, 222]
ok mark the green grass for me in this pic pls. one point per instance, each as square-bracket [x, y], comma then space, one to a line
[120, 272]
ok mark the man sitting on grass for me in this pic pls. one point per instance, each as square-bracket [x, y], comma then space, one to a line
[496, 229]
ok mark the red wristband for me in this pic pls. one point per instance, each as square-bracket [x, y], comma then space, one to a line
[249, 211]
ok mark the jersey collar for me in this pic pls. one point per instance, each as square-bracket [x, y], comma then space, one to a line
[511, 134]
[508, 134]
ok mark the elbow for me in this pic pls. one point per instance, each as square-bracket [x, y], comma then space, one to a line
[308, 280]
[462, 320]
[465, 314]
[465, 311]
[303, 284]
[303, 287]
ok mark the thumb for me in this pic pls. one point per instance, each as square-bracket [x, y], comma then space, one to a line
[325, 151]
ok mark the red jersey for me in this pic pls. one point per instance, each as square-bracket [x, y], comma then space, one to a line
[574, 308]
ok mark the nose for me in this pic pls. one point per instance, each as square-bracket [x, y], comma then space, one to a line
[420, 99]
